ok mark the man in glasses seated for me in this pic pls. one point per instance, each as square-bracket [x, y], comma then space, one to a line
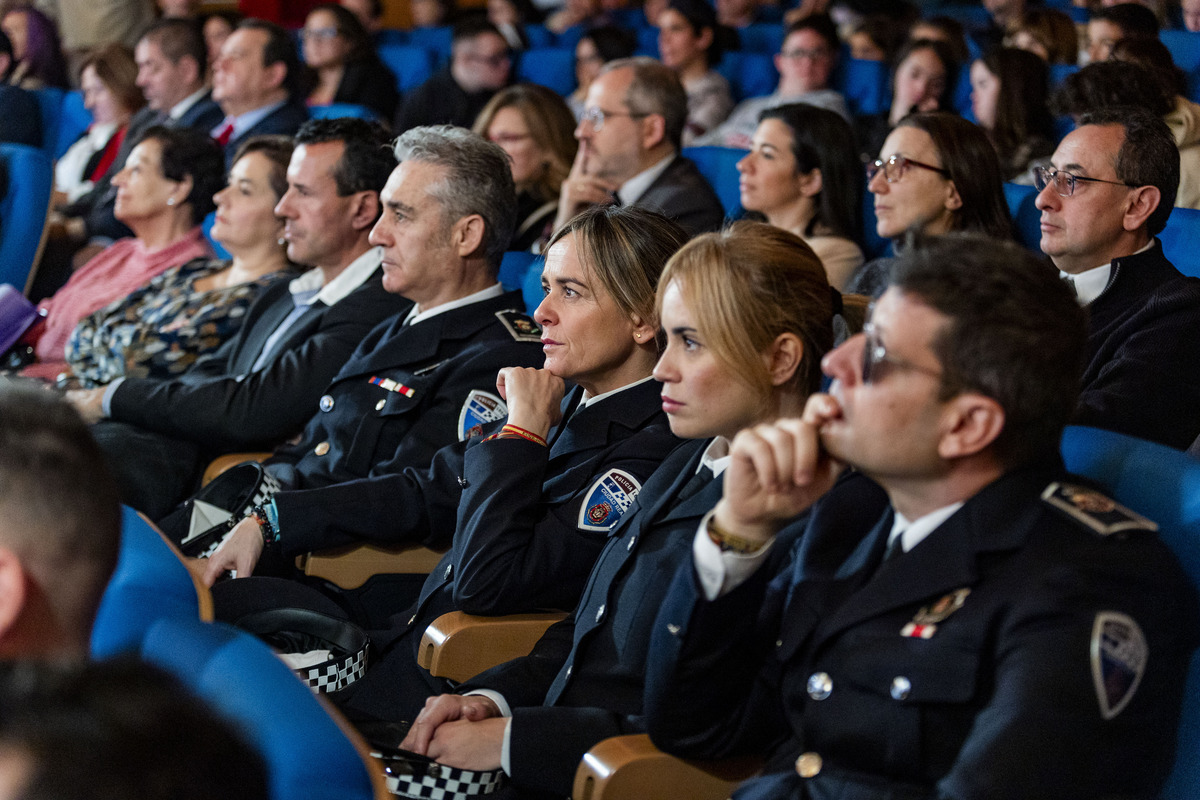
[1107, 194]
[987, 625]
[630, 135]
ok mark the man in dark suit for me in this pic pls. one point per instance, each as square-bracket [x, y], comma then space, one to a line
[172, 63]
[262, 385]
[256, 81]
[991, 621]
[1108, 193]
[629, 141]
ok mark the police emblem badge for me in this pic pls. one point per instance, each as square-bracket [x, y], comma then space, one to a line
[608, 499]
[1119, 653]
[924, 624]
[478, 410]
[1102, 514]
[520, 326]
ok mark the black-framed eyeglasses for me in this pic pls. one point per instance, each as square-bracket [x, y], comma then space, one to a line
[875, 354]
[895, 166]
[1064, 182]
[595, 117]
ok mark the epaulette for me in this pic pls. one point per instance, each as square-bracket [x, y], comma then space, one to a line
[521, 326]
[1100, 513]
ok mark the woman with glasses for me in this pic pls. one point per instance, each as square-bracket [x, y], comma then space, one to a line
[801, 174]
[936, 173]
[342, 63]
[535, 128]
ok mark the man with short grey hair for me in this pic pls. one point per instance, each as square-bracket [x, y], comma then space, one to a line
[630, 136]
[421, 380]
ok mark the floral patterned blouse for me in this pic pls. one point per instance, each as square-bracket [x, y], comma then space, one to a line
[161, 328]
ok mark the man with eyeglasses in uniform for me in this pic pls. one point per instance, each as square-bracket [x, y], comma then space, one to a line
[480, 65]
[630, 134]
[971, 630]
[1107, 194]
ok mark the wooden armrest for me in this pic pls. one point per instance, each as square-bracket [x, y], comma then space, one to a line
[222, 463]
[631, 767]
[459, 646]
[373, 766]
[195, 570]
[350, 567]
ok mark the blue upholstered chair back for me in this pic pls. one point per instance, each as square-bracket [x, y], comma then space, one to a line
[1164, 485]
[338, 110]
[718, 165]
[23, 211]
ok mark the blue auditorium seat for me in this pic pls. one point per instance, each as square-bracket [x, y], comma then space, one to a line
[437, 40]
[1181, 240]
[411, 65]
[1027, 220]
[539, 36]
[1184, 47]
[50, 102]
[308, 755]
[647, 42]
[531, 287]
[864, 84]
[749, 74]
[718, 165]
[761, 37]
[1163, 484]
[515, 266]
[23, 211]
[552, 67]
[337, 110]
[73, 120]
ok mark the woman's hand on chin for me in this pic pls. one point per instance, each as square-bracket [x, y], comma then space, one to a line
[533, 396]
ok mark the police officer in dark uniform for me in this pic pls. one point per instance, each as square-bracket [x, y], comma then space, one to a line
[583, 682]
[995, 630]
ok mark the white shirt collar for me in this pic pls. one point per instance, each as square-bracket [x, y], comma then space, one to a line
[495, 290]
[181, 108]
[590, 401]
[716, 456]
[1091, 284]
[632, 190]
[914, 532]
[350, 278]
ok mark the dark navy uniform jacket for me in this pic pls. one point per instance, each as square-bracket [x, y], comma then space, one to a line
[523, 521]
[583, 682]
[1014, 653]
[400, 397]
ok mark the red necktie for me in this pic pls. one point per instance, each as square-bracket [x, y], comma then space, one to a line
[225, 134]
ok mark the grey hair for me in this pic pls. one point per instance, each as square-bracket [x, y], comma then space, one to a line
[655, 89]
[478, 180]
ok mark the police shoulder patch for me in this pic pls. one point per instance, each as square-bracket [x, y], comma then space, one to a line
[1119, 654]
[1102, 514]
[478, 410]
[608, 500]
[521, 326]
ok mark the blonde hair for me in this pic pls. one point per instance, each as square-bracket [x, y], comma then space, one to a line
[752, 282]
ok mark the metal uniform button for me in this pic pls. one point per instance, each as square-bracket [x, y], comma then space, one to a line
[600, 613]
[820, 685]
[901, 686]
[326, 403]
[808, 765]
[321, 449]
[379, 406]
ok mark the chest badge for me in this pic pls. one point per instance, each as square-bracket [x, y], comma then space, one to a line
[478, 410]
[389, 385]
[924, 625]
[1119, 654]
[608, 499]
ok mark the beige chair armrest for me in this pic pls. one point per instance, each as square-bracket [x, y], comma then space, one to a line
[632, 768]
[459, 646]
[351, 567]
[222, 463]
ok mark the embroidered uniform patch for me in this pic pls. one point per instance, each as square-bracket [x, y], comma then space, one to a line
[608, 499]
[521, 326]
[478, 410]
[1119, 654]
[1102, 514]
[925, 624]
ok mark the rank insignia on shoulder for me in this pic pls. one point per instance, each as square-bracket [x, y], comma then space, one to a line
[521, 326]
[608, 500]
[1119, 653]
[1102, 514]
[924, 624]
[478, 410]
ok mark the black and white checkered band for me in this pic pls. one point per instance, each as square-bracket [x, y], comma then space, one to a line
[425, 780]
[299, 629]
[265, 486]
